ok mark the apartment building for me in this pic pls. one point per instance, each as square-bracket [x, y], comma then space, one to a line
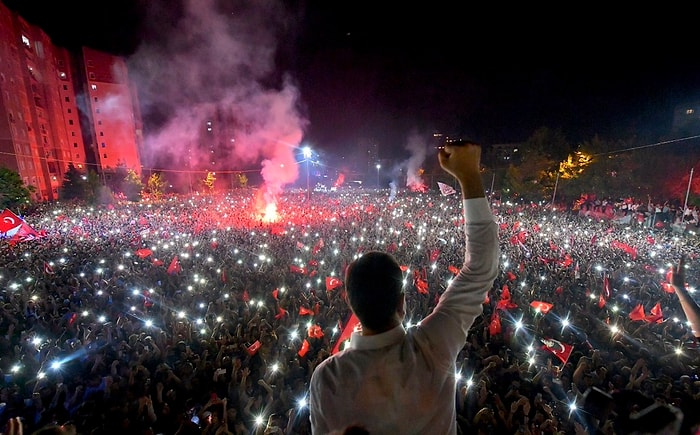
[59, 108]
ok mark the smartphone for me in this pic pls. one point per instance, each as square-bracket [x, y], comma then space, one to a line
[195, 420]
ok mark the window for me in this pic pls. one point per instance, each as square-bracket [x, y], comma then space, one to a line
[70, 110]
[104, 155]
[99, 122]
[75, 144]
[26, 42]
[97, 110]
[94, 87]
[70, 122]
[65, 87]
[96, 99]
[92, 76]
[67, 99]
[102, 133]
[72, 133]
[77, 156]
[89, 64]
[104, 145]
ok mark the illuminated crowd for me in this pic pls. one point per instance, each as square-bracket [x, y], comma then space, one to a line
[207, 315]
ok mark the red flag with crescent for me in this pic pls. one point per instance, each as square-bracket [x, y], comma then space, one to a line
[557, 348]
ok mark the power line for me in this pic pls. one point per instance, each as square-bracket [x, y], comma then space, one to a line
[666, 142]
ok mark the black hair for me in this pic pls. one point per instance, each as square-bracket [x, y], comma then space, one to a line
[374, 284]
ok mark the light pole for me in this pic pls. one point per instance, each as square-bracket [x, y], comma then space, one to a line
[307, 155]
[378, 168]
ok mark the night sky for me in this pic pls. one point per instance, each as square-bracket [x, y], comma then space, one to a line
[377, 71]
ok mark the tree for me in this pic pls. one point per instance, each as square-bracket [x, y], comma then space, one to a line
[132, 185]
[209, 181]
[13, 193]
[156, 185]
[95, 191]
[74, 184]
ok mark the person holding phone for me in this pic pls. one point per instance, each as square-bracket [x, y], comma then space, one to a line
[396, 381]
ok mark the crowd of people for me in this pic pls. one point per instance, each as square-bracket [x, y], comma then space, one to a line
[208, 315]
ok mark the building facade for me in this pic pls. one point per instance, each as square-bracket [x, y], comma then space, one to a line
[59, 108]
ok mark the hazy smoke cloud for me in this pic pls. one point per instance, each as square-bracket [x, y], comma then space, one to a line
[206, 79]
[418, 149]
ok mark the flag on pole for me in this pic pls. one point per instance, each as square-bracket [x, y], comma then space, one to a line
[174, 266]
[304, 349]
[332, 283]
[352, 323]
[542, 307]
[638, 313]
[557, 348]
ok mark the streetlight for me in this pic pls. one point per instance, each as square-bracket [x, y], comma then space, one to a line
[306, 152]
[378, 167]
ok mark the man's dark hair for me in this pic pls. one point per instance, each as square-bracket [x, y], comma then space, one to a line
[374, 284]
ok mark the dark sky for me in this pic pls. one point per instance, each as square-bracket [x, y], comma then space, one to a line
[375, 71]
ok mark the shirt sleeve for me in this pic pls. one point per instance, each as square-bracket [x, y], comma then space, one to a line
[447, 326]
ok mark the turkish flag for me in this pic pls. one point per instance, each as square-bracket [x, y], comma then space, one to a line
[542, 307]
[332, 283]
[453, 269]
[143, 252]
[421, 286]
[10, 223]
[303, 311]
[318, 246]
[511, 276]
[296, 269]
[352, 323]
[505, 303]
[304, 349]
[281, 312]
[174, 266]
[495, 324]
[315, 331]
[275, 293]
[559, 349]
[434, 254]
[655, 315]
[638, 313]
[253, 348]
[606, 287]
[601, 301]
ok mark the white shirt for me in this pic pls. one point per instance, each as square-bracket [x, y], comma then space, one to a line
[403, 381]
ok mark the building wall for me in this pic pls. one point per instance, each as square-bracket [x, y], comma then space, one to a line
[112, 109]
[48, 96]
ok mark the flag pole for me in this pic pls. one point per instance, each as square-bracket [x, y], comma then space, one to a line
[554, 194]
[687, 192]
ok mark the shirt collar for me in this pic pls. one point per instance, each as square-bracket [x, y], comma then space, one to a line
[377, 341]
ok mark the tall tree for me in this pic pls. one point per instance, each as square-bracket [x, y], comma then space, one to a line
[132, 185]
[74, 184]
[156, 185]
[13, 193]
[209, 181]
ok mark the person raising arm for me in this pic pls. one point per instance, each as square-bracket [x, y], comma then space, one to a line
[390, 380]
[690, 307]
